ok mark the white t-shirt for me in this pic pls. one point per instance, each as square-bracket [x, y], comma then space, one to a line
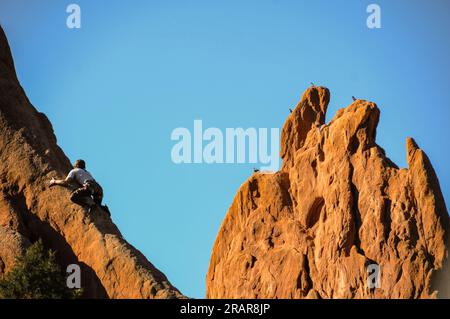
[79, 175]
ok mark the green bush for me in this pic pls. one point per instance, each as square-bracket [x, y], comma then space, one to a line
[36, 275]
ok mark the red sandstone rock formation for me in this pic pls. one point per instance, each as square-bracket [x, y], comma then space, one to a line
[29, 158]
[337, 205]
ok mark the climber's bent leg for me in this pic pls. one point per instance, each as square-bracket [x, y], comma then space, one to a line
[98, 194]
[95, 190]
[81, 196]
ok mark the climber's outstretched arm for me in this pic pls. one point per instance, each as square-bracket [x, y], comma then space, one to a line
[60, 182]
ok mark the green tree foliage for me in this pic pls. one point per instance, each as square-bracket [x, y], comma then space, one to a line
[36, 275]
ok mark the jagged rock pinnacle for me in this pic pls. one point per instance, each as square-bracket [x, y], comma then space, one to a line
[337, 205]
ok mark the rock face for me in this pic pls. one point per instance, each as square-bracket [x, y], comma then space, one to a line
[12, 244]
[29, 210]
[337, 210]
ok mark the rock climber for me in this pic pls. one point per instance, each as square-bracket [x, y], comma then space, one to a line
[88, 192]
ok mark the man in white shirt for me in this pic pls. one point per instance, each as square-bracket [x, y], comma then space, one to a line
[88, 192]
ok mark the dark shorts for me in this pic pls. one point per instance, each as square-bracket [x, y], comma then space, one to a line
[90, 189]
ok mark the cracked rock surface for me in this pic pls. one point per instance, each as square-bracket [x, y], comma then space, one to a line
[337, 206]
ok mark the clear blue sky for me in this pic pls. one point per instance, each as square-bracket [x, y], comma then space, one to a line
[116, 88]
